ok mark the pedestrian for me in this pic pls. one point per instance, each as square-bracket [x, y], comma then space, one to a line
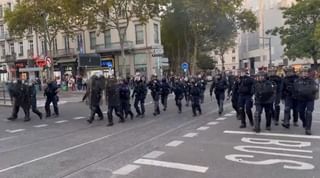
[33, 98]
[154, 87]
[113, 101]
[93, 97]
[306, 91]
[219, 85]
[139, 94]
[79, 83]
[178, 90]
[277, 80]
[195, 93]
[51, 93]
[125, 105]
[290, 103]
[264, 92]
[164, 93]
[245, 102]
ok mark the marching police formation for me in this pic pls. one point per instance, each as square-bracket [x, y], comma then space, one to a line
[264, 90]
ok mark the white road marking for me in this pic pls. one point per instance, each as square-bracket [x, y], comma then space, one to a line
[273, 134]
[79, 118]
[126, 169]
[154, 155]
[229, 115]
[54, 154]
[233, 112]
[40, 126]
[203, 128]
[190, 135]
[15, 131]
[175, 143]
[7, 138]
[62, 121]
[213, 123]
[316, 122]
[221, 119]
[172, 165]
[105, 112]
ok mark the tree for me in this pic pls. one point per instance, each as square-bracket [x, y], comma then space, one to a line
[301, 30]
[117, 14]
[205, 62]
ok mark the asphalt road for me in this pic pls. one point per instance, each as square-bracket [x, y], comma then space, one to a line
[170, 145]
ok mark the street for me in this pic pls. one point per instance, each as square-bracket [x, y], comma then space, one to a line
[170, 145]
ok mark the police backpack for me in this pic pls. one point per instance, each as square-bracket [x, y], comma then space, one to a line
[305, 89]
[265, 90]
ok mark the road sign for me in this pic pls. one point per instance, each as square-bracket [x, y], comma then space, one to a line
[158, 52]
[185, 66]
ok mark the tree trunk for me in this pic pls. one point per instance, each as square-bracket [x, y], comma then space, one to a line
[195, 54]
[222, 62]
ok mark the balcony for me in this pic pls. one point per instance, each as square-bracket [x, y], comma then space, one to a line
[113, 47]
[10, 58]
[62, 53]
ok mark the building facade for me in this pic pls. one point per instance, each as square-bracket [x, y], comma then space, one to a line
[231, 59]
[18, 56]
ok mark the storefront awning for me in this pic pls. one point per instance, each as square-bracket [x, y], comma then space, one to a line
[69, 60]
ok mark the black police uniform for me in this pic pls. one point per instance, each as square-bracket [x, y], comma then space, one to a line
[275, 110]
[245, 102]
[125, 100]
[113, 101]
[290, 102]
[154, 86]
[179, 90]
[51, 92]
[187, 87]
[234, 93]
[33, 99]
[219, 85]
[165, 91]
[264, 92]
[202, 85]
[139, 93]
[195, 93]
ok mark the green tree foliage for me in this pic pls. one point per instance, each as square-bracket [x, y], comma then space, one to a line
[300, 32]
[205, 62]
[201, 26]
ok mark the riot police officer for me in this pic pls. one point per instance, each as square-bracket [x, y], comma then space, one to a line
[277, 80]
[305, 91]
[234, 93]
[33, 98]
[93, 96]
[178, 90]
[290, 102]
[165, 91]
[154, 86]
[112, 96]
[245, 102]
[264, 92]
[219, 85]
[51, 92]
[139, 94]
[187, 86]
[125, 106]
[195, 93]
[202, 85]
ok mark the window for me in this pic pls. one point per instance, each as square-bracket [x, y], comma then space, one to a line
[233, 59]
[1, 31]
[12, 49]
[79, 43]
[9, 5]
[3, 50]
[21, 49]
[66, 43]
[107, 39]
[140, 63]
[92, 40]
[139, 34]
[156, 33]
[30, 30]
[233, 50]
[1, 11]
[31, 47]
[123, 31]
[233, 67]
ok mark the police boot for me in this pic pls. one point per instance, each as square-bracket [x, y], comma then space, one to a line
[12, 118]
[242, 118]
[277, 115]
[110, 120]
[308, 132]
[257, 128]
[26, 119]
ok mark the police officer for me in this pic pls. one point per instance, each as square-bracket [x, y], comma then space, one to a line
[277, 80]
[51, 92]
[21, 98]
[178, 90]
[125, 99]
[187, 86]
[245, 102]
[165, 91]
[234, 93]
[290, 102]
[195, 93]
[139, 94]
[202, 85]
[264, 92]
[219, 85]
[33, 98]
[154, 86]
[305, 91]
[112, 96]
[94, 95]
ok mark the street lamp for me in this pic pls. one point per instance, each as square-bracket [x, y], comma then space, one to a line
[270, 57]
[45, 16]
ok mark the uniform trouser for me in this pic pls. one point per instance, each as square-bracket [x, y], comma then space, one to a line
[305, 112]
[196, 105]
[201, 96]
[164, 100]
[257, 115]
[220, 96]
[245, 104]
[235, 105]
[16, 108]
[178, 100]
[187, 97]
[55, 106]
[140, 110]
[95, 109]
[125, 108]
[290, 104]
[275, 109]
[156, 104]
[34, 108]
[117, 112]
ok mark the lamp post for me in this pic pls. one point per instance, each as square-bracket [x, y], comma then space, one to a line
[270, 57]
[45, 28]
